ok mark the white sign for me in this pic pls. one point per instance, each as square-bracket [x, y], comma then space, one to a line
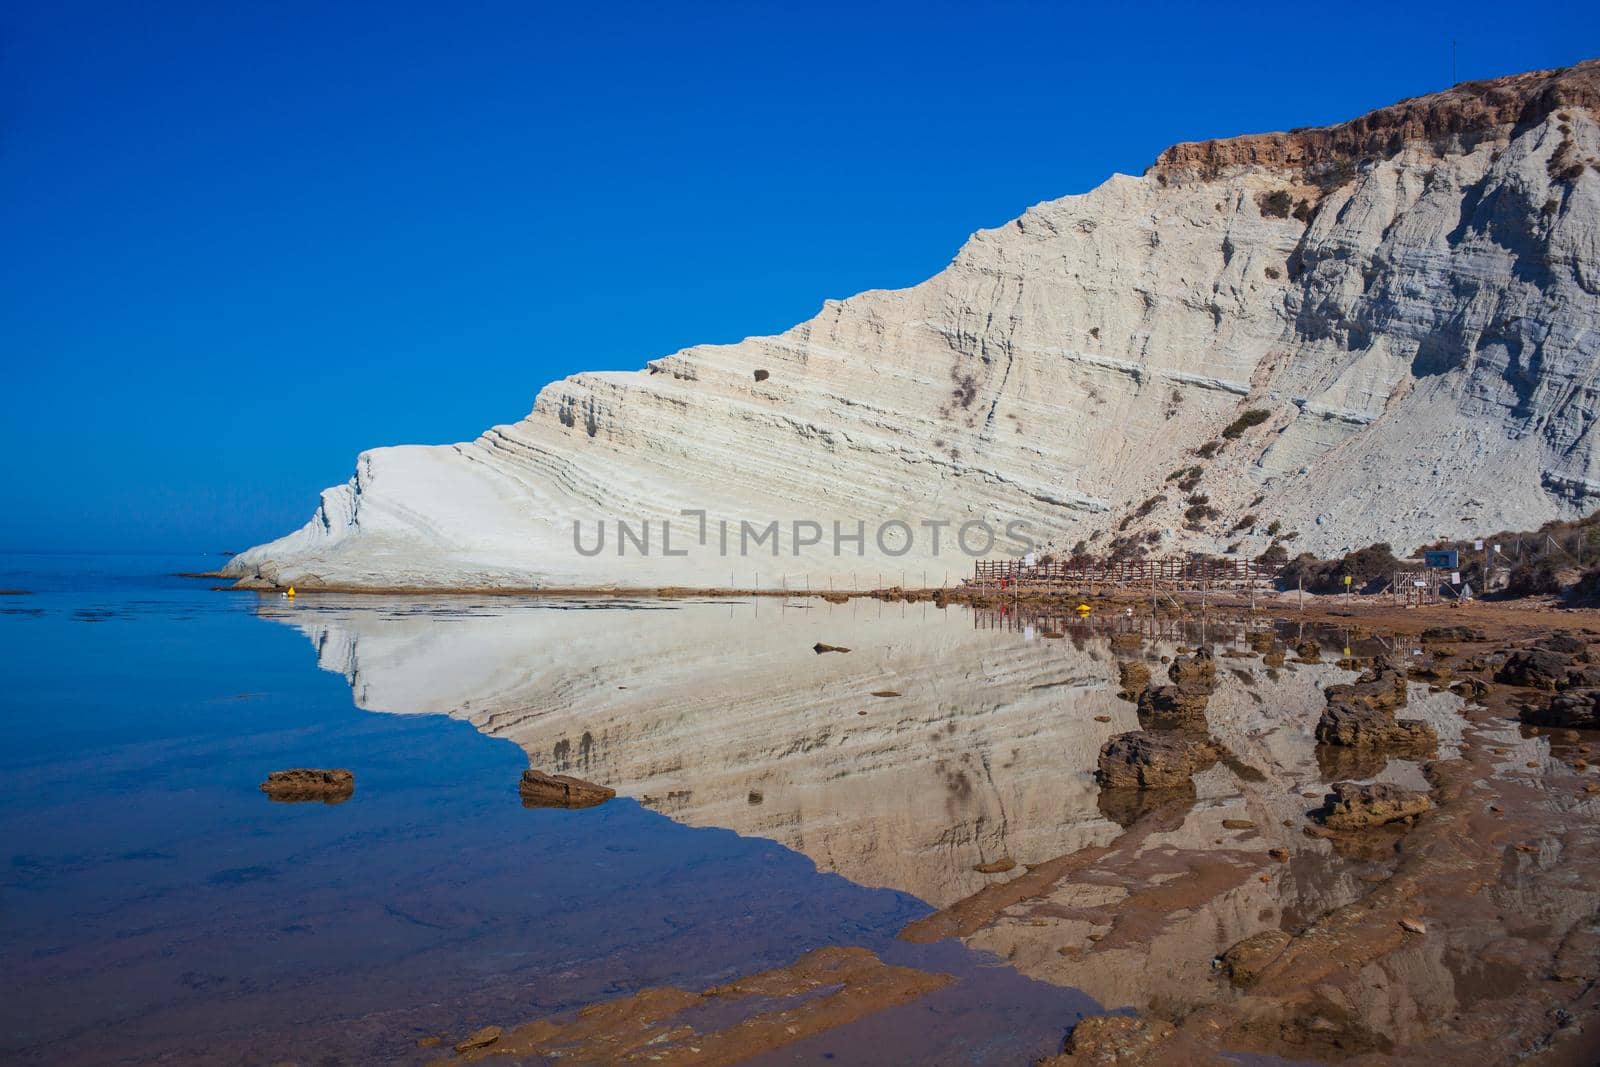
[1497, 548]
[1030, 560]
[1478, 545]
[1419, 583]
[1455, 577]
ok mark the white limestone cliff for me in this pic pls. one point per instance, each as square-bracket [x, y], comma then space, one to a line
[1413, 298]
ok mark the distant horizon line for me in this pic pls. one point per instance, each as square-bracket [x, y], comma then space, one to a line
[113, 552]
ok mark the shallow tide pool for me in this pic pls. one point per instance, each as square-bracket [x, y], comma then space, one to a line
[157, 906]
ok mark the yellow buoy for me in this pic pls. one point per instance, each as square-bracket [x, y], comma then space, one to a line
[1083, 609]
[290, 593]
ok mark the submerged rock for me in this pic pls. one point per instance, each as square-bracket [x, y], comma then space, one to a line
[1536, 668]
[1565, 643]
[1438, 635]
[1360, 807]
[1244, 962]
[1576, 709]
[1143, 760]
[307, 783]
[481, 1039]
[1383, 685]
[540, 790]
[1112, 1039]
[819, 648]
[1356, 725]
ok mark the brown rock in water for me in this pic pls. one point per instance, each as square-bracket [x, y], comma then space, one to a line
[1143, 760]
[999, 866]
[1112, 1039]
[1382, 686]
[1197, 672]
[482, 1039]
[1576, 709]
[1356, 726]
[1309, 651]
[1274, 658]
[1436, 673]
[1238, 824]
[1261, 640]
[1173, 707]
[540, 790]
[1360, 807]
[1438, 635]
[819, 648]
[1133, 676]
[1536, 668]
[306, 783]
[1566, 643]
[1244, 962]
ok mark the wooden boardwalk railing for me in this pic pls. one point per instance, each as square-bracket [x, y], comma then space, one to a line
[1180, 573]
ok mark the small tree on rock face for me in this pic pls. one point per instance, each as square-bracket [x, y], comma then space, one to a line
[1276, 204]
[1253, 417]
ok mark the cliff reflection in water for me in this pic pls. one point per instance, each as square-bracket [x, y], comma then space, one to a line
[721, 714]
[945, 755]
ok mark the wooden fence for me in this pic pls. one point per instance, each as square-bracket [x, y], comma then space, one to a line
[1180, 573]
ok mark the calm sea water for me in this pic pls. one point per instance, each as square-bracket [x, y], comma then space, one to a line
[154, 905]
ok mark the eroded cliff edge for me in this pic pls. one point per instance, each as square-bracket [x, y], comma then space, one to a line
[1412, 299]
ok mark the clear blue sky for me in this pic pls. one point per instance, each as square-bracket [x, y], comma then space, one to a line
[244, 242]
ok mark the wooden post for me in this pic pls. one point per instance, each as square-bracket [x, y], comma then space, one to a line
[1301, 582]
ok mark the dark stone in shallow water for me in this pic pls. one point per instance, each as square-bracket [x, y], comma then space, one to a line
[1359, 807]
[1355, 725]
[307, 783]
[1165, 760]
[540, 790]
[1536, 668]
[1574, 709]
